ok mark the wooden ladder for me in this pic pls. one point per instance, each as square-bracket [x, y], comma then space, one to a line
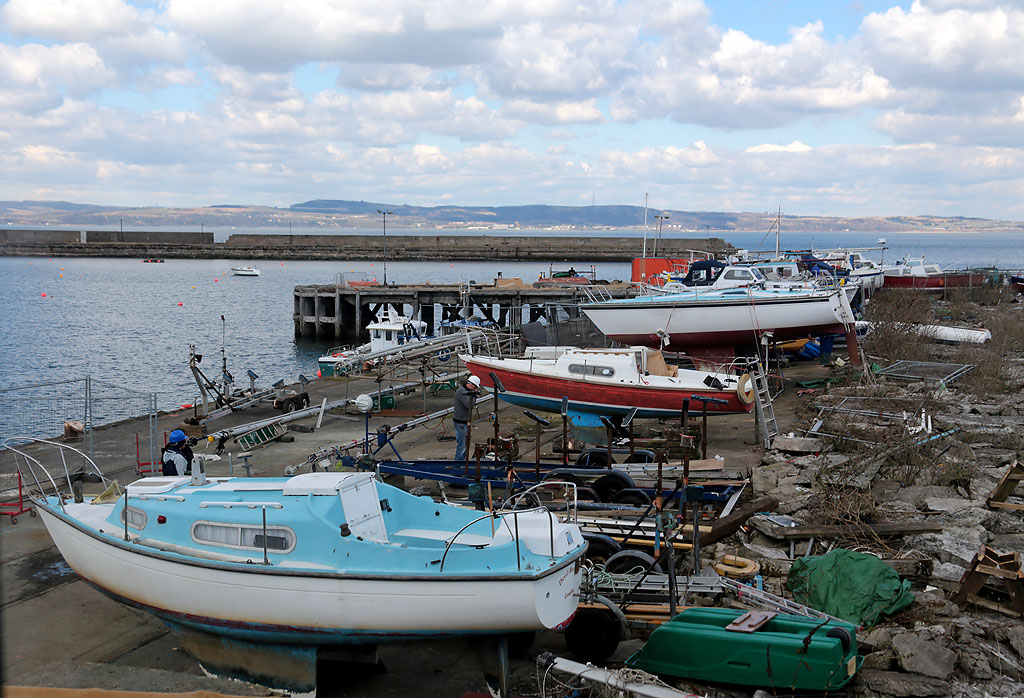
[764, 412]
[989, 565]
[1011, 478]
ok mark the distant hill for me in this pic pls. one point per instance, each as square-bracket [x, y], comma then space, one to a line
[343, 214]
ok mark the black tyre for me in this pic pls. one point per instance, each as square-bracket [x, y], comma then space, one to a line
[304, 401]
[607, 486]
[600, 548]
[288, 405]
[587, 494]
[593, 635]
[633, 497]
[845, 639]
[633, 561]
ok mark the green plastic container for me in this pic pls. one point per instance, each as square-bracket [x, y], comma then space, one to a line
[787, 652]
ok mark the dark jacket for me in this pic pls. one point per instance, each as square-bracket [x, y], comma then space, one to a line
[176, 459]
[464, 401]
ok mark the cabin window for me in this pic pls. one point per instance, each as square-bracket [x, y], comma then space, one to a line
[387, 335]
[376, 334]
[279, 538]
[588, 370]
[784, 272]
[740, 274]
[136, 517]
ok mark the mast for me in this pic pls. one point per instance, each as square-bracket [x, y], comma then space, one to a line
[778, 233]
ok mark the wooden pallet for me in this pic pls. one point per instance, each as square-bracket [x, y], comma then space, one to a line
[991, 566]
[1006, 487]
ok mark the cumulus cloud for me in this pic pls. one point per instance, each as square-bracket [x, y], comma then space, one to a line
[476, 102]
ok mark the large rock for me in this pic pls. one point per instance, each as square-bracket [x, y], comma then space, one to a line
[920, 655]
[892, 683]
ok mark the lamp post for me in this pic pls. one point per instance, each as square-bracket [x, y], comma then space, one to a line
[384, 217]
[661, 219]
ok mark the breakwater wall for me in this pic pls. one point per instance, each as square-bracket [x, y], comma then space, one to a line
[191, 245]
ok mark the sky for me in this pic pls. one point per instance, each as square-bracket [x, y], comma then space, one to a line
[846, 108]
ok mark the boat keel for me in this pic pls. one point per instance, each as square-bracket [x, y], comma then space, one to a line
[290, 668]
[492, 655]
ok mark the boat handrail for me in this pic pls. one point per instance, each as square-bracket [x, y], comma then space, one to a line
[15, 444]
[247, 505]
[595, 293]
[488, 515]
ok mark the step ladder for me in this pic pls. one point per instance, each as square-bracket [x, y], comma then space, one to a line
[767, 600]
[263, 435]
[1007, 486]
[764, 412]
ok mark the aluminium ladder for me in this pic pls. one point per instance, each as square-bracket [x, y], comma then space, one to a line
[764, 412]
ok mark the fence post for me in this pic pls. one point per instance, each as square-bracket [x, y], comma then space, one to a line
[87, 421]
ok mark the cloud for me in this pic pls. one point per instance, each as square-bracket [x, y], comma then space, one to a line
[68, 20]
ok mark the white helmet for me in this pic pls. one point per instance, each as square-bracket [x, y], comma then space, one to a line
[475, 380]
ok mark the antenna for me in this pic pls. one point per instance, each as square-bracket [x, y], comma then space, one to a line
[645, 225]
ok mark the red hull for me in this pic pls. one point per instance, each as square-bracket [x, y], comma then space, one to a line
[584, 395]
[952, 280]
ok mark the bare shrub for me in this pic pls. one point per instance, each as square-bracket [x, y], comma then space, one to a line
[892, 315]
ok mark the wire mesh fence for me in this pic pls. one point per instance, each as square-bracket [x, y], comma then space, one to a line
[115, 426]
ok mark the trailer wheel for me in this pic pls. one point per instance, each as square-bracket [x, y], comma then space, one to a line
[304, 401]
[600, 547]
[607, 486]
[288, 406]
[630, 560]
[587, 494]
[632, 497]
[593, 635]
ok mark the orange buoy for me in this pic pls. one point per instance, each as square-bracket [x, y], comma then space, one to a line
[180, 304]
[43, 295]
[216, 280]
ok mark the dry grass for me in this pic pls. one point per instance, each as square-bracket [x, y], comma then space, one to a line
[893, 315]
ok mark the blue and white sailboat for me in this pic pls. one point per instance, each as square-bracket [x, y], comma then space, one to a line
[326, 558]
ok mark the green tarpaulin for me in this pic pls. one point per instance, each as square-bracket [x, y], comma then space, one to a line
[853, 586]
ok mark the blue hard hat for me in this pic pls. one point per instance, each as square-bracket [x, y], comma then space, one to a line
[177, 436]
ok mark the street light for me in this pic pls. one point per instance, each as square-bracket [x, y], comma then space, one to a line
[661, 219]
[384, 216]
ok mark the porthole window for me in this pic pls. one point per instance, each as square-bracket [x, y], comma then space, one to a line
[136, 517]
[280, 539]
[587, 370]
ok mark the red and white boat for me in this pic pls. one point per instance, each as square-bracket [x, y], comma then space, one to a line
[611, 382]
[914, 273]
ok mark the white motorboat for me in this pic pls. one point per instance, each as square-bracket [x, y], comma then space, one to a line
[245, 271]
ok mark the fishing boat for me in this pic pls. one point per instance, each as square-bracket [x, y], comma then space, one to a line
[730, 318]
[318, 559]
[915, 273]
[612, 382]
[389, 333]
[245, 271]
[757, 648]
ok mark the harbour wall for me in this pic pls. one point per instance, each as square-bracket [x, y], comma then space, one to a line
[192, 245]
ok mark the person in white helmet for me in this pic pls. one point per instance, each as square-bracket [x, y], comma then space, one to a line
[465, 398]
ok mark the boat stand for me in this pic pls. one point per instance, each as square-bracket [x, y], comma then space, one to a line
[492, 655]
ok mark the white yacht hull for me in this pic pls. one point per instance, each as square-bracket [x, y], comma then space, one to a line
[305, 606]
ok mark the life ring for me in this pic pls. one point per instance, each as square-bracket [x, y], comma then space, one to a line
[745, 389]
[444, 354]
[736, 567]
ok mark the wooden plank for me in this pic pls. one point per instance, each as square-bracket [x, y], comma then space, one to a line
[730, 524]
[880, 529]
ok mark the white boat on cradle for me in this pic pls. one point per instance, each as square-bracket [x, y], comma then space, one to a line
[245, 271]
[318, 559]
[734, 317]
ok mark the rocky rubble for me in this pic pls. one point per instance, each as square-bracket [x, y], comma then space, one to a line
[934, 647]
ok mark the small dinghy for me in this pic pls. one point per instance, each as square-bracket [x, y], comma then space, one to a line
[756, 648]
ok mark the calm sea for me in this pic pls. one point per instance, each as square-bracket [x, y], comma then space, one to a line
[131, 324]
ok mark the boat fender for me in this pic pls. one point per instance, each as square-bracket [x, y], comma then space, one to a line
[745, 389]
[736, 567]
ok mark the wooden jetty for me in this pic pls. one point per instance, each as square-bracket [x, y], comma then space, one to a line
[342, 312]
